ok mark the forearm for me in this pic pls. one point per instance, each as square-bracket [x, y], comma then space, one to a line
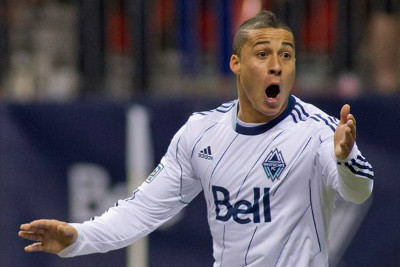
[167, 190]
[351, 177]
[120, 226]
[355, 177]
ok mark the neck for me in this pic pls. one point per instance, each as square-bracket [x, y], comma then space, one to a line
[248, 114]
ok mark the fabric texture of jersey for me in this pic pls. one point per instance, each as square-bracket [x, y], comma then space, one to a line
[270, 189]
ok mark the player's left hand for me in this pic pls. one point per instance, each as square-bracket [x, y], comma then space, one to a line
[345, 133]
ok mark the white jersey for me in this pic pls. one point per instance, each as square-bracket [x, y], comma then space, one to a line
[270, 189]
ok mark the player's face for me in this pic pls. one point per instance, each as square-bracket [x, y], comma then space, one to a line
[265, 73]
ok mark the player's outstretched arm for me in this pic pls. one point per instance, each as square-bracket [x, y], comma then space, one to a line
[345, 134]
[50, 236]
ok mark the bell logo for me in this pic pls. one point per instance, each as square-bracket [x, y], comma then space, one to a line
[239, 211]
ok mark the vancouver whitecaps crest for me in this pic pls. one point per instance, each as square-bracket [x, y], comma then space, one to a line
[274, 164]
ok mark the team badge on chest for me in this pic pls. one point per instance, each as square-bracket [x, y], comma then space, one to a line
[274, 164]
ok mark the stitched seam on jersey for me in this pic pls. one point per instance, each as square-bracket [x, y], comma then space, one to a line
[291, 232]
[133, 195]
[209, 185]
[248, 248]
[194, 147]
[234, 115]
[223, 244]
[315, 224]
[180, 166]
[291, 167]
[247, 175]
[145, 232]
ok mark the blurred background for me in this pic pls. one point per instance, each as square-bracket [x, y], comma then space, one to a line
[63, 50]
[91, 93]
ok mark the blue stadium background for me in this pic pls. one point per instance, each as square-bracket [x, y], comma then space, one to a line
[38, 141]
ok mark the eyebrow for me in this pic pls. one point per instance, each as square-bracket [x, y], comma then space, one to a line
[268, 42]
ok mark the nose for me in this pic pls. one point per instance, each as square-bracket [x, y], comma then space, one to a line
[275, 67]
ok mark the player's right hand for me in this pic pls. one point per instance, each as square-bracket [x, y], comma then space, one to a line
[50, 236]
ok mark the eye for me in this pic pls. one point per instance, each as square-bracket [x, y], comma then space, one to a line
[261, 54]
[286, 55]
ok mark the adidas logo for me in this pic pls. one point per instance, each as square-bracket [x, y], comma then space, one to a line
[206, 153]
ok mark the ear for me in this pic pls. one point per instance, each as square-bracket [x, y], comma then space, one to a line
[235, 64]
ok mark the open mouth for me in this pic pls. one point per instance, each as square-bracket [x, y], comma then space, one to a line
[272, 91]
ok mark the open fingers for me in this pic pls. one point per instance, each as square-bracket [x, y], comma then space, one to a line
[30, 236]
[35, 247]
[351, 123]
[348, 135]
[32, 226]
[41, 225]
[26, 227]
[351, 117]
[29, 228]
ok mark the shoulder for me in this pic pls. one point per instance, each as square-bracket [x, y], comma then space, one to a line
[310, 115]
[206, 118]
[213, 113]
[202, 121]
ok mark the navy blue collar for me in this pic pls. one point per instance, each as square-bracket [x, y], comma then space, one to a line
[265, 127]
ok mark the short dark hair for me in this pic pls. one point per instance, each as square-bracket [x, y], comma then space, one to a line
[264, 19]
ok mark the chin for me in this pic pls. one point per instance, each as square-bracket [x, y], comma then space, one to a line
[273, 109]
[270, 112]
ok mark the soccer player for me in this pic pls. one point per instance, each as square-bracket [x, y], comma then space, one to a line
[269, 165]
